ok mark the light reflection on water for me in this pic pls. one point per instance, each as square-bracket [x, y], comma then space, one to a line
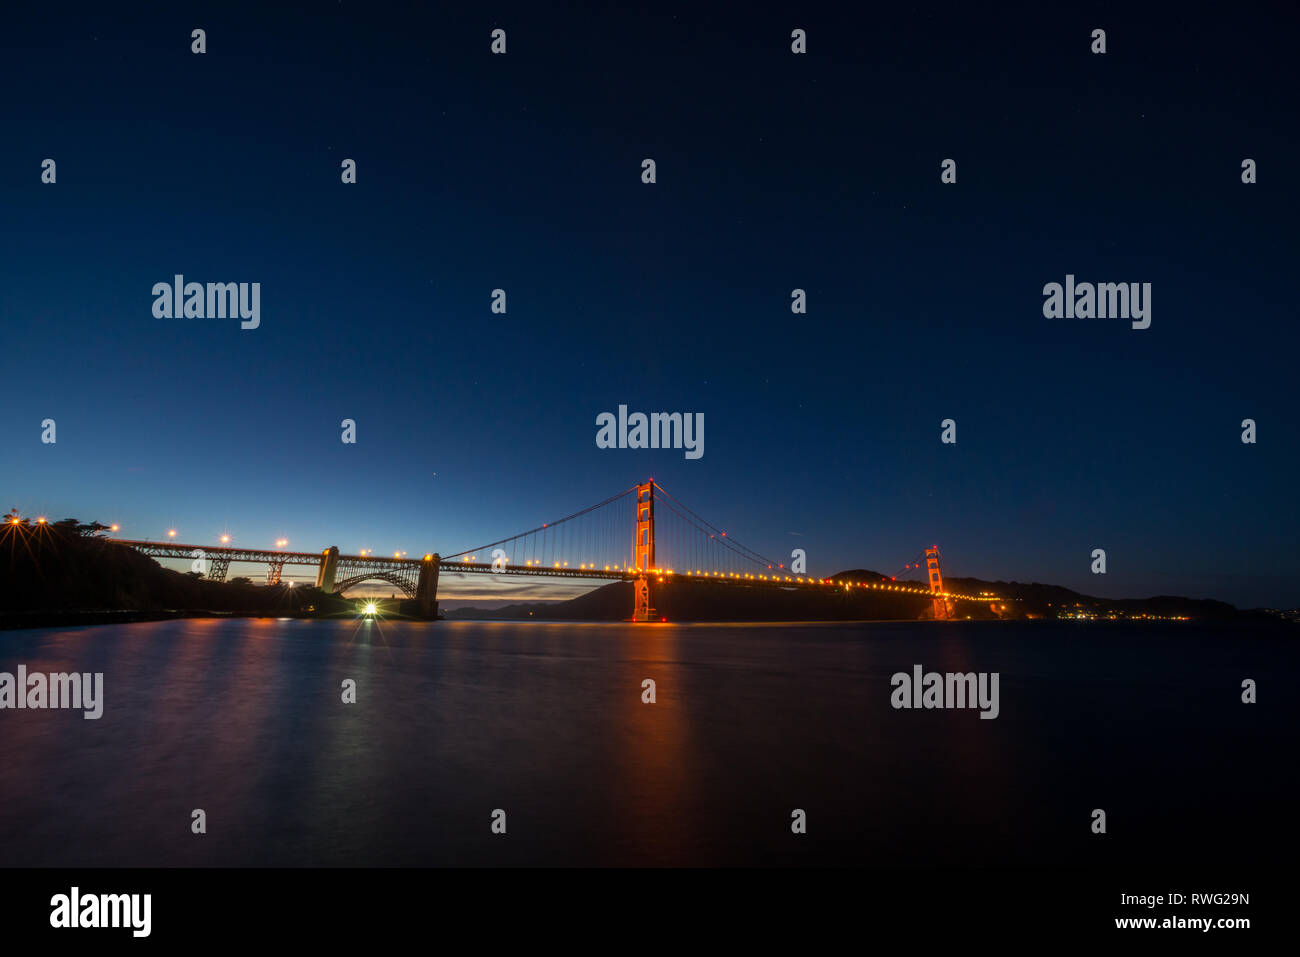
[244, 719]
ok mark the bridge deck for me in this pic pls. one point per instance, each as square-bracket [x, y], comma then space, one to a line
[359, 563]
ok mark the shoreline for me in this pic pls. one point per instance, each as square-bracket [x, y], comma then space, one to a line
[21, 621]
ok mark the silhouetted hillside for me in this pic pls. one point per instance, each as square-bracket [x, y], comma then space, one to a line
[709, 601]
[1051, 600]
[65, 568]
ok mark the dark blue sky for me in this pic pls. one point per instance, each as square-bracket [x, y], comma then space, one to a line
[775, 171]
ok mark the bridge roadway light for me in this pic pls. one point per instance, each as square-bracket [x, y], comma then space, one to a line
[225, 539]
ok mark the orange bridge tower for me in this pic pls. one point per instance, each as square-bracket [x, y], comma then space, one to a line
[936, 582]
[644, 606]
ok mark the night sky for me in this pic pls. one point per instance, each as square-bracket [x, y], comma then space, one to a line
[775, 171]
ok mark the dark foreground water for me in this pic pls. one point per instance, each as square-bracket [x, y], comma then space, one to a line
[545, 721]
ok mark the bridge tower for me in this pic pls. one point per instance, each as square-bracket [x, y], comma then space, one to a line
[427, 589]
[329, 565]
[936, 582]
[643, 606]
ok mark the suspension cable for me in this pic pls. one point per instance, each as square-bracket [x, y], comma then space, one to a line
[544, 525]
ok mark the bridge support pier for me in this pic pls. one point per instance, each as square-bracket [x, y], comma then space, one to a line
[217, 567]
[273, 573]
[329, 566]
[427, 589]
[643, 606]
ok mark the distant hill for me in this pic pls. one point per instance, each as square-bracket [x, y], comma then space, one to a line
[1049, 600]
[707, 601]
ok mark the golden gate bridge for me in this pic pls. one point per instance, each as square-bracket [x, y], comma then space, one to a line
[669, 543]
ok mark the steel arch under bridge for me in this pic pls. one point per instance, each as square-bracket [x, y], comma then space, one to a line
[406, 583]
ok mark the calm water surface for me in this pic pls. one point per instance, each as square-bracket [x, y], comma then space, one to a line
[243, 718]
